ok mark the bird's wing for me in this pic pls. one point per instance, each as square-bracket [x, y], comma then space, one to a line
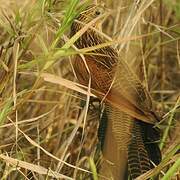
[129, 95]
[130, 86]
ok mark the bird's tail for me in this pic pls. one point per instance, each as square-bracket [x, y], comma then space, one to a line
[143, 149]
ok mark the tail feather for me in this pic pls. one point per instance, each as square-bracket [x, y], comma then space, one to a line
[143, 149]
[151, 136]
[138, 159]
[102, 128]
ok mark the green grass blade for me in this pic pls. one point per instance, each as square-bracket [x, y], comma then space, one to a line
[172, 170]
[93, 168]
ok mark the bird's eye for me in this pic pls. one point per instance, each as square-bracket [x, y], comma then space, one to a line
[97, 13]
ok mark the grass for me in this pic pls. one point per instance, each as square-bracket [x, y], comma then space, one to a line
[41, 120]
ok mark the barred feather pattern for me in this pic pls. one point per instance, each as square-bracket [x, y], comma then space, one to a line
[122, 125]
[101, 61]
[127, 83]
[138, 159]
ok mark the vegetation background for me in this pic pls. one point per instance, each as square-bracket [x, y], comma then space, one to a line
[41, 119]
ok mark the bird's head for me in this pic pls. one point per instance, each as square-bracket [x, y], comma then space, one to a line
[91, 12]
[86, 16]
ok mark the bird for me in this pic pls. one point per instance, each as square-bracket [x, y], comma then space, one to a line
[128, 104]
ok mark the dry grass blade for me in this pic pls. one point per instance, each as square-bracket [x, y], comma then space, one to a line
[48, 121]
[48, 153]
[64, 82]
[160, 167]
[32, 167]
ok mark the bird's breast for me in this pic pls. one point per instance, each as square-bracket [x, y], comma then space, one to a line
[100, 74]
